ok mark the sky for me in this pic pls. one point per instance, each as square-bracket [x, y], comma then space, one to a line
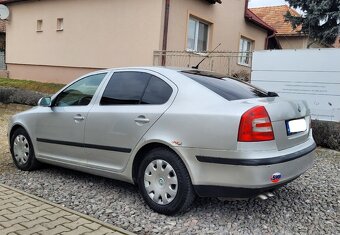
[264, 3]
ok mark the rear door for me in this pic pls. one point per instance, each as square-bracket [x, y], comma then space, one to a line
[130, 104]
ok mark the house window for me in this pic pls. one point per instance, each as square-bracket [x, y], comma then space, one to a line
[197, 35]
[39, 25]
[60, 24]
[245, 50]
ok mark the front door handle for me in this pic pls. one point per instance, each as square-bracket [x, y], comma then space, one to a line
[79, 117]
[142, 120]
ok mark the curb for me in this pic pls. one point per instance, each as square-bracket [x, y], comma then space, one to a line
[109, 226]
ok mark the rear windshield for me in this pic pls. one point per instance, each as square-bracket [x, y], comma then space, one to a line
[228, 88]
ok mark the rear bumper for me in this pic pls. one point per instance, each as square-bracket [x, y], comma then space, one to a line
[234, 192]
[219, 174]
[260, 161]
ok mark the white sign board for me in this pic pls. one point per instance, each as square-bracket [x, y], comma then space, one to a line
[312, 75]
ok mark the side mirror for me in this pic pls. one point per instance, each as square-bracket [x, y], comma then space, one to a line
[272, 94]
[45, 102]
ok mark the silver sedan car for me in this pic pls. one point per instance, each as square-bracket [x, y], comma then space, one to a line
[176, 133]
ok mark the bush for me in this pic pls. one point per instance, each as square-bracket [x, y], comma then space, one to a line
[18, 96]
[326, 134]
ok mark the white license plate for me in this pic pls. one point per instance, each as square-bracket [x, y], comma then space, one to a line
[295, 126]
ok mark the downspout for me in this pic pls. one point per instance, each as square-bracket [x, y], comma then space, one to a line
[246, 7]
[165, 31]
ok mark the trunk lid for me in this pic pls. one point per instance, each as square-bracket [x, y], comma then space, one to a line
[282, 112]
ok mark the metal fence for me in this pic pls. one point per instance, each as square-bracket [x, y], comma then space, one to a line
[228, 63]
[2, 60]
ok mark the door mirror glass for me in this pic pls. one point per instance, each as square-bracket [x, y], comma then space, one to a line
[45, 102]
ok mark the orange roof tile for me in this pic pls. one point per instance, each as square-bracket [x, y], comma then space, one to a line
[274, 16]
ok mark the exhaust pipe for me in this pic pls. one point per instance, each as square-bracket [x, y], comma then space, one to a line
[262, 197]
[265, 196]
[269, 194]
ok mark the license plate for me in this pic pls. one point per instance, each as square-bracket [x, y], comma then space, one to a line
[296, 126]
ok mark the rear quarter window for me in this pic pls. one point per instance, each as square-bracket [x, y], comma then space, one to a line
[157, 92]
[228, 88]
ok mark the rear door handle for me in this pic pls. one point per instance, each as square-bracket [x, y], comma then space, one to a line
[142, 120]
[79, 117]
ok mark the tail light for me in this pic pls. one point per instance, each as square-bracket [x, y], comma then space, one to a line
[255, 126]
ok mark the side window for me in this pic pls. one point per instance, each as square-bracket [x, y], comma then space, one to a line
[125, 88]
[157, 92]
[81, 92]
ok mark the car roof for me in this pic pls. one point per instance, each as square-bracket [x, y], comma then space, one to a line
[164, 69]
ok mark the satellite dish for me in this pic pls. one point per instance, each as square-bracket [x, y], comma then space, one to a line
[4, 12]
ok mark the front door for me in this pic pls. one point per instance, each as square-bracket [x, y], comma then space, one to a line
[60, 129]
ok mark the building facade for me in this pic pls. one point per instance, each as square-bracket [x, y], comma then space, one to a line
[59, 40]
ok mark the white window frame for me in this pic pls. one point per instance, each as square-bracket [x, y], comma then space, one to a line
[197, 21]
[244, 52]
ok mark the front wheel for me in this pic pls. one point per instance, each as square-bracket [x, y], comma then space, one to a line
[164, 182]
[22, 151]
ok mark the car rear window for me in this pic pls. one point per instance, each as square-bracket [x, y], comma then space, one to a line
[228, 88]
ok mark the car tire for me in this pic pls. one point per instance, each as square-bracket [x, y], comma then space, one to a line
[164, 182]
[22, 151]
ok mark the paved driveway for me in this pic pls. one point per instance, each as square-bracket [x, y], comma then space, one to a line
[308, 205]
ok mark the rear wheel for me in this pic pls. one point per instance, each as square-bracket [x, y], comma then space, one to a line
[164, 182]
[22, 151]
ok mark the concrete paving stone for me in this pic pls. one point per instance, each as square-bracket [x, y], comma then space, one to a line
[77, 231]
[41, 207]
[54, 216]
[37, 203]
[20, 208]
[53, 210]
[5, 212]
[77, 223]
[32, 223]
[93, 226]
[17, 214]
[7, 192]
[3, 219]
[72, 217]
[55, 223]
[21, 198]
[6, 205]
[12, 222]
[4, 196]
[15, 227]
[42, 213]
[57, 230]
[23, 202]
[25, 214]
[37, 228]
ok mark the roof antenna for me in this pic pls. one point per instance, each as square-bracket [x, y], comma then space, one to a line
[196, 67]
